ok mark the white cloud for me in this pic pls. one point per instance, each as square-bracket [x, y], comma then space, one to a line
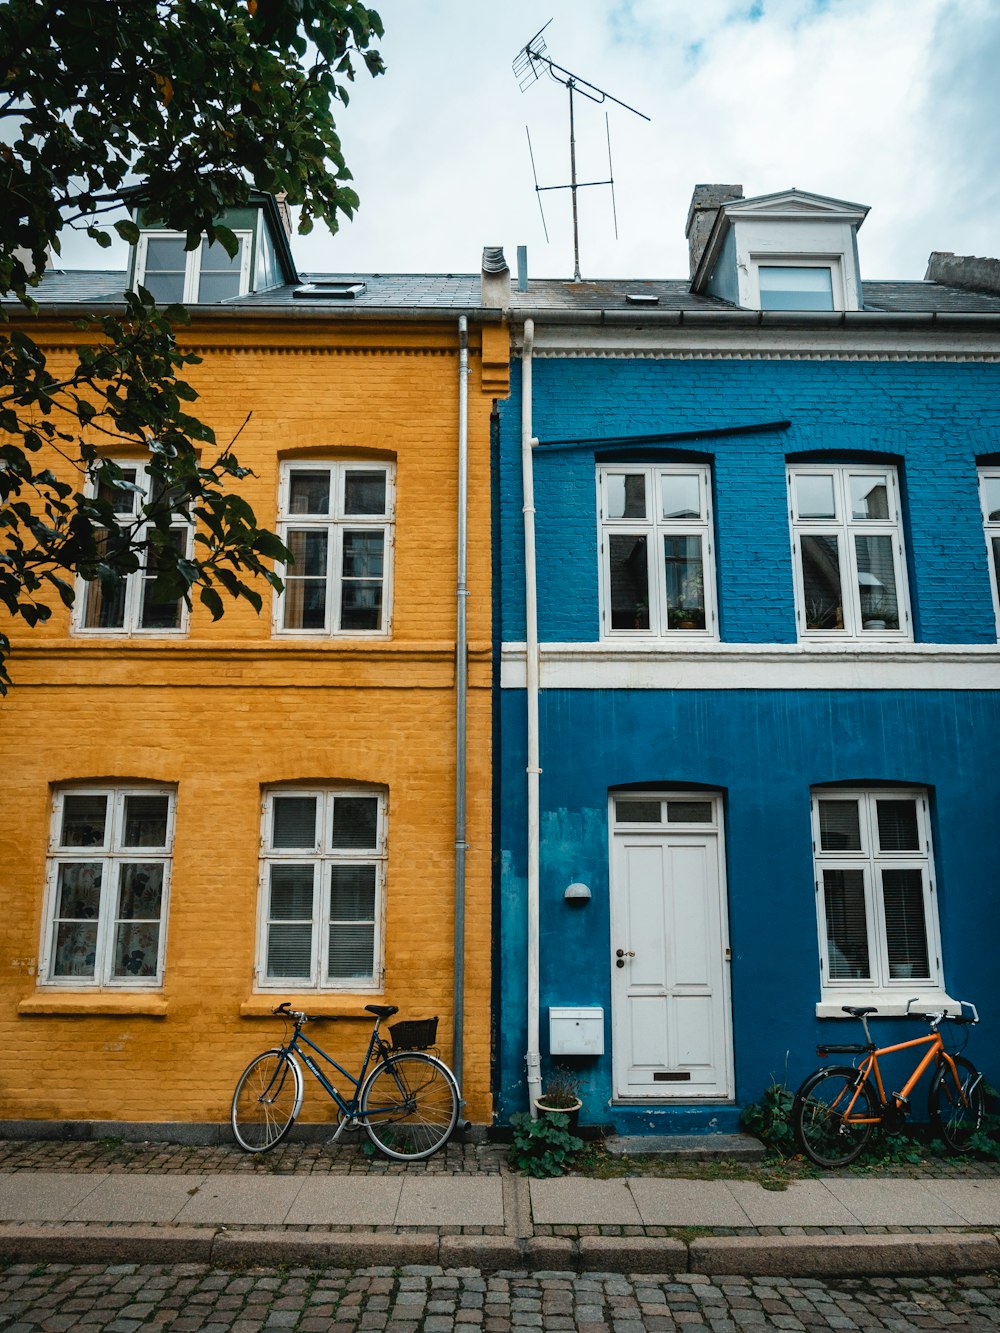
[891, 103]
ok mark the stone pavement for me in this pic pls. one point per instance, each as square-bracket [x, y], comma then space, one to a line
[97, 1206]
[181, 1298]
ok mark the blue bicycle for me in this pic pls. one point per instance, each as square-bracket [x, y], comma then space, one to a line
[407, 1102]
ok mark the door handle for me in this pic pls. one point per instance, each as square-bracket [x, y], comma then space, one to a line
[622, 954]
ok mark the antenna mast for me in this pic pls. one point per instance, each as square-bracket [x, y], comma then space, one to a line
[528, 65]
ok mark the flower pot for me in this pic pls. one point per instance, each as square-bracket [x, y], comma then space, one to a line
[572, 1112]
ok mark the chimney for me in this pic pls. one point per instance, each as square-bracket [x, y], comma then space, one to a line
[284, 212]
[495, 278]
[705, 204]
[966, 271]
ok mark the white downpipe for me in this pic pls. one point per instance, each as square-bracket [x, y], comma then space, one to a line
[532, 1057]
[461, 695]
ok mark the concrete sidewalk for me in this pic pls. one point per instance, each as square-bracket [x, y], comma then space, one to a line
[494, 1222]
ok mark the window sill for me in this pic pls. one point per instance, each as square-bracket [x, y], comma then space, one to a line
[97, 1004]
[324, 1005]
[889, 1004]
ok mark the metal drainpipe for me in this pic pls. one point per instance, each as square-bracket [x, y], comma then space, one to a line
[532, 1057]
[461, 691]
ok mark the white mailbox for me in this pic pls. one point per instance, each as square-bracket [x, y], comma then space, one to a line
[576, 1031]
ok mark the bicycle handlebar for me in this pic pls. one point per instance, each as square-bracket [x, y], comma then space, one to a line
[936, 1016]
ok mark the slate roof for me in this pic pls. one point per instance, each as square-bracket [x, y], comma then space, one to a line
[458, 292]
[915, 297]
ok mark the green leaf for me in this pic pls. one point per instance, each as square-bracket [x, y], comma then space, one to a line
[228, 240]
[195, 102]
[213, 601]
[128, 231]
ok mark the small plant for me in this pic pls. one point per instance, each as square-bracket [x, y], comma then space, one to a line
[562, 1089]
[770, 1120]
[542, 1147]
[881, 610]
[686, 617]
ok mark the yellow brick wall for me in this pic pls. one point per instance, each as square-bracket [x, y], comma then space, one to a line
[227, 710]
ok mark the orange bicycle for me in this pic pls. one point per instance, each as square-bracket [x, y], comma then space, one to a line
[839, 1107]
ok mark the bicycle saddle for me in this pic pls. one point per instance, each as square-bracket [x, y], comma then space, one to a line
[858, 1013]
[382, 1010]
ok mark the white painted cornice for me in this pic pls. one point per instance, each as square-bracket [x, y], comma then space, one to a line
[839, 339]
[757, 666]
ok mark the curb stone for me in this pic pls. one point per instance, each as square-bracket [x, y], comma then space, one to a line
[634, 1254]
[359, 1249]
[112, 1244]
[843, 1256]
[487, 1253]
[746, 1256]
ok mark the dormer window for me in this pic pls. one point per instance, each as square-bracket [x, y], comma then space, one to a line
[779, 252]
[796, 286]
[203, 276]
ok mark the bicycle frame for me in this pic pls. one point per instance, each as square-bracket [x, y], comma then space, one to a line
[348, 1109]
[936, 1054]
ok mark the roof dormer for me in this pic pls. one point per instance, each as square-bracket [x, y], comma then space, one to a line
[208, 275]
[787, 251]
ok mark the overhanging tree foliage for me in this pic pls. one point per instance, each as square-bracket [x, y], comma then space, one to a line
[196, 102]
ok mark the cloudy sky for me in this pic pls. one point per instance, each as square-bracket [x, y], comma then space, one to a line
[890, 103]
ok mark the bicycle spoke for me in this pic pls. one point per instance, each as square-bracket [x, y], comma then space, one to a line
[410, 1106]
[266, 1101]
[833, 1117]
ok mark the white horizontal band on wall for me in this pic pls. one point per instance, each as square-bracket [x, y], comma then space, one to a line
[752, 666]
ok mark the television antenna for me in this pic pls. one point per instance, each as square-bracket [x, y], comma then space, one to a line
[528, 65]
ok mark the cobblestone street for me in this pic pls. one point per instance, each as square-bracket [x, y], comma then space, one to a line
[124, 1298]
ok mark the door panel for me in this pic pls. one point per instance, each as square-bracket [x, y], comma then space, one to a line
[670, 999]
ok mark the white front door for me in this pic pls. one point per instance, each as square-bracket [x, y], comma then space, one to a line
[670, 975]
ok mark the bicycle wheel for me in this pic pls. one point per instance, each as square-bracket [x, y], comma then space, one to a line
[826, 1132]
[266, 1101]
[957, 1109]
[410, 1106]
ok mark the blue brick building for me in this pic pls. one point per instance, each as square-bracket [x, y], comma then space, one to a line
[758, 511]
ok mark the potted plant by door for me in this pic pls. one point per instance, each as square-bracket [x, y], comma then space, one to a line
[559, 1097]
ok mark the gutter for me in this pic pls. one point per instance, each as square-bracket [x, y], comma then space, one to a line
[301, 312]
[855, 320]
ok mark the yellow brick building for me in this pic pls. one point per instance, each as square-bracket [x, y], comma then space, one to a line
[183, 763]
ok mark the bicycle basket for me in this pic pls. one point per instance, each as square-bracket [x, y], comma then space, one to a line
[415, 1034]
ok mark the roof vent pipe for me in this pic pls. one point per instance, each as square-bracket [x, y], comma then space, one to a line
[705, 204]
[495, 278]
[522, 268]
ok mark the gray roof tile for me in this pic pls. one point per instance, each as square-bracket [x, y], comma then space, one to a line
[461, 291]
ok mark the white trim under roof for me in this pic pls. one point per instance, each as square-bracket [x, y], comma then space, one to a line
[708, 665]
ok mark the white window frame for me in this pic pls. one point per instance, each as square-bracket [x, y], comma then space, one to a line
[654, 529]
[335, 524]
[833, 262]
[110, 854]
[880, 988]
[192, 261]
[845, 528]
[321, 855]
[991, 531]
[134, 582]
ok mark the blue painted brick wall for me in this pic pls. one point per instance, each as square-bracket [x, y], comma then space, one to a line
[763, 750]
[934, 418]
